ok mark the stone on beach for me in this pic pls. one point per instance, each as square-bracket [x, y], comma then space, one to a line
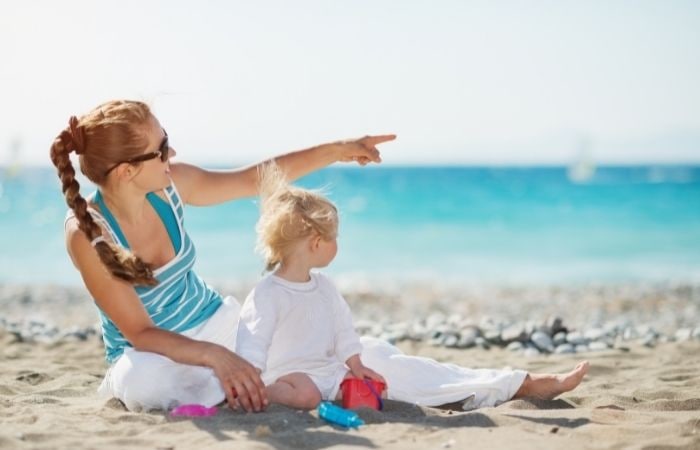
[542, 341]
[576, 338]
[564, 349]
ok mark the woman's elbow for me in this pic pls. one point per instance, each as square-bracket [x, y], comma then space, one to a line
[145, 339]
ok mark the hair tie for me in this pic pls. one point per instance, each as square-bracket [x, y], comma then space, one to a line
[97, 240]
[77, 136]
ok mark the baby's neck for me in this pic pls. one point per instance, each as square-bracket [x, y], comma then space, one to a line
[296, 273]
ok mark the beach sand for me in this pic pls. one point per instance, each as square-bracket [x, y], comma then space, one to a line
[641, 398]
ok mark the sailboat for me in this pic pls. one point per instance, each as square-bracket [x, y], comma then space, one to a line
[582, 169]
[11, 167]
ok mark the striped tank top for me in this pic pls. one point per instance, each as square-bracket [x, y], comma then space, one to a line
[181, 300]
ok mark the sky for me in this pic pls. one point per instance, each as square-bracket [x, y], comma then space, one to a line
[459, 82]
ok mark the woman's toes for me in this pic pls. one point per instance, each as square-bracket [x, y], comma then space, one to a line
[574, 378]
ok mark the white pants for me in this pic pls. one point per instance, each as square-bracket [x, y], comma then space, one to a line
[145, 381]
[424, 381]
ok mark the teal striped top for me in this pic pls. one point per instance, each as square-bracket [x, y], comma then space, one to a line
[181, 300]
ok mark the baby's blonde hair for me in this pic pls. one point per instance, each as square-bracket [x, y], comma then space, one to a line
[289, 214]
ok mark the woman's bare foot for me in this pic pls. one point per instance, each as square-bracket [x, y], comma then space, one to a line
[548, 386]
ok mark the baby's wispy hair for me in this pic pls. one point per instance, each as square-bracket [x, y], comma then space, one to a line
[289, 214]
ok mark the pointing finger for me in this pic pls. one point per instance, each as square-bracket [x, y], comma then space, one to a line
[374, 140]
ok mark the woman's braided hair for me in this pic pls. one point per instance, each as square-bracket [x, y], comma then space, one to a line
[114, 131]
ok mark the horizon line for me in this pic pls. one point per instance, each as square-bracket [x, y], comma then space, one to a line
[413, 164]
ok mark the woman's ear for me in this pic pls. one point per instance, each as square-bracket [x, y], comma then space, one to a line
[127, 171]
[123, 171]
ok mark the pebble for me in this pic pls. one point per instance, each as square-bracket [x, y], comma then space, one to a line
[434, 320]
[466, 342]
[515, 346]
[417, 332]
[468, 337]
[514, 333]
[493, 336]
[531, 352]
[576, 338]
[483, 343]
[559, 338]
[594, 334]
[451, 340]
[564, 349]
[649, 340]
[542, 341]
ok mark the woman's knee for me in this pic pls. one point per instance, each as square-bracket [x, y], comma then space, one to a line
[145, 380]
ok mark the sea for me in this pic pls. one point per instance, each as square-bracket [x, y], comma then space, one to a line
[502, 225]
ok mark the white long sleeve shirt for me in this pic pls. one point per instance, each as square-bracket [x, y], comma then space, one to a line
[290, 327]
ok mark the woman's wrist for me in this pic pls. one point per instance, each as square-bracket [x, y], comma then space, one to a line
[331, 152]
[208, 353]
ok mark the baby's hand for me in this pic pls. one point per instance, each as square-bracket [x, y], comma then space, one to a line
[361, 371]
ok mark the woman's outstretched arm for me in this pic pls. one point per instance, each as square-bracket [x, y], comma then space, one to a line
[202, 187]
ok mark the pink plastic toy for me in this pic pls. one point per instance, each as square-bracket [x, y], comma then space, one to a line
[193, 411]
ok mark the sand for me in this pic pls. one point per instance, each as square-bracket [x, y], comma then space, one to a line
[641, 398]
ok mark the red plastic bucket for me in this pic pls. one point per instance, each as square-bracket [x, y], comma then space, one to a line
[359, 393]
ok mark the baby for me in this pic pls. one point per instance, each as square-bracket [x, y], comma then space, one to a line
[295, 326]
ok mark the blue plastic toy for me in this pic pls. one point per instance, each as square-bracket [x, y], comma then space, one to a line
[339, 416]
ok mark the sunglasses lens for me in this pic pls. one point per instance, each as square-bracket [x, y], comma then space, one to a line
[164, 150]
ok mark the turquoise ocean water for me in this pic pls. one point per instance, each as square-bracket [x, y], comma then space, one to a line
[502, 225]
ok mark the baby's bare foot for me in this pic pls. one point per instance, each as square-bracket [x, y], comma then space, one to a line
[549, 386]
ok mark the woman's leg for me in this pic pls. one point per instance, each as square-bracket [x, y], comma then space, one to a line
[548, 386]
[146, 381]
[427, 382]
[295, 390]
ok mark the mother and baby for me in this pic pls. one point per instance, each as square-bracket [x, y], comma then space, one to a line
[171, 339]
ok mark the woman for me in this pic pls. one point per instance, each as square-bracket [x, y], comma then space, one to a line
[168, 336]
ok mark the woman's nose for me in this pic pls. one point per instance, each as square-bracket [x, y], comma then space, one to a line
[171, 152]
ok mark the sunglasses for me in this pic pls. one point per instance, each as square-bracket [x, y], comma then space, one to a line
[162, 152]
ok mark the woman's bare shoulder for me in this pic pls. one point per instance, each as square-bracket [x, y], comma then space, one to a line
[77, 241]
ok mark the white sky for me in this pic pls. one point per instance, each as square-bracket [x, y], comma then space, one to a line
[458, 81]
